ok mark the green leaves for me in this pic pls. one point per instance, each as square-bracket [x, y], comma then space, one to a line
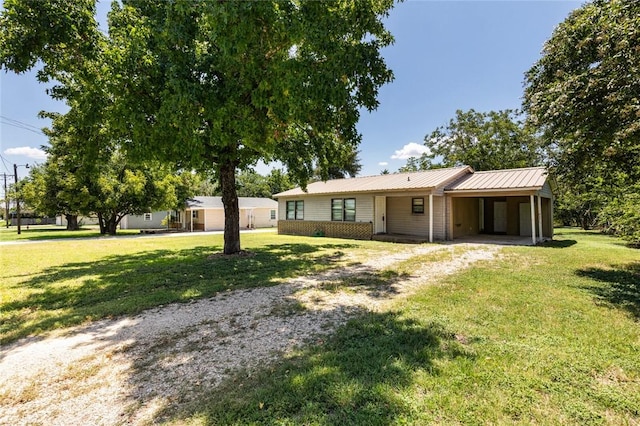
[485, 141]
[584, 93]
[585, 90]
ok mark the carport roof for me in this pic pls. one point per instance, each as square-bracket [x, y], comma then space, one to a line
[530, 178]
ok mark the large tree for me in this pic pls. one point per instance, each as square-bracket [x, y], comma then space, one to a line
[220, 85]
[483, 140]
[584, 93]
[216, 86]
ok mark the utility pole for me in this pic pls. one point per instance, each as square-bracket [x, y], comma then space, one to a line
[15, 173]
[6, 201]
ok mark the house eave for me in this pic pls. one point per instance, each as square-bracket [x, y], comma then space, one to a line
[494, 191]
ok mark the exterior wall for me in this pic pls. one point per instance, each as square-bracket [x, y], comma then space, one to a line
[211, 219]
[137, 221]
[319, 208]
[261, 218]
[400, 220]
[547, 218]
[466, 217]
[353, 230]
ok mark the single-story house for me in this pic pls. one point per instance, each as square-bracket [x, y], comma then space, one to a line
[207, 213]
[438, 204]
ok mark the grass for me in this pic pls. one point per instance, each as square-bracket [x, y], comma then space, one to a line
[48, 232]
[53, 285]
[545, 335]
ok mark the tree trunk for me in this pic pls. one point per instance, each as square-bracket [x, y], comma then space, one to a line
[72, 222]
[103, 228]
[231, 209]
[111, 224]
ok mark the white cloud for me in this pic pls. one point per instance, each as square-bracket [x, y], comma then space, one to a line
[27, 151]
[411, 149]
[383, 163]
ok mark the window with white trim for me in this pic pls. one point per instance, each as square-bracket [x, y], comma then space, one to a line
[273, 215]
[343, 209]
[295, 210]
[148, 217]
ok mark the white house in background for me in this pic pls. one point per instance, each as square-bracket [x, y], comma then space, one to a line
[439, 204]
[82, 220]
[207, 213]
[152, 220]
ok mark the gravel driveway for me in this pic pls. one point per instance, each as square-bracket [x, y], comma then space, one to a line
[125, 371]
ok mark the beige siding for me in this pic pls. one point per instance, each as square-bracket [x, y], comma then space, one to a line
[400, 220]
[439, 218]
[545, 192]
[261, 218]
[319, 208]
[213, 219]
[466, 217]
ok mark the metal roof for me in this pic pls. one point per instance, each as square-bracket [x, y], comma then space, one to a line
[392, 182]
[243, 203]
[511, 179]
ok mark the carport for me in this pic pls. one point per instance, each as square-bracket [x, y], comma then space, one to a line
[515, 202]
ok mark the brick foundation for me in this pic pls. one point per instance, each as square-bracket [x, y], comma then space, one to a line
[352, 230]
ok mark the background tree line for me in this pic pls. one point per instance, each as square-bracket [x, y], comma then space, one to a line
[580, 119]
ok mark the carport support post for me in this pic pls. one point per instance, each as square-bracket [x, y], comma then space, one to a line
[539, 217]
[533, 219]
[430, 218]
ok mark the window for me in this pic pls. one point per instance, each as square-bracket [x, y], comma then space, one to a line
[194, 214]
[147, 217]
[417, 205]
[273, 215]
[295, 210]
[343, 209]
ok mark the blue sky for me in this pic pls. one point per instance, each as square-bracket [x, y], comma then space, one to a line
[448, 55]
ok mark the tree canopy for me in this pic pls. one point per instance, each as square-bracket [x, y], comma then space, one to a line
[215, 86]
[583, 93]
[483, 140]
[584, 90]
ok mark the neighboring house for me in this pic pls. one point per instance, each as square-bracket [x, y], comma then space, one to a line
[438, 204]
[82, 220]
[207, 213]
[152, 220]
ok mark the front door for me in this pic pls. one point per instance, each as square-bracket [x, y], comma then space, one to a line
[500, 216]
[380, 216]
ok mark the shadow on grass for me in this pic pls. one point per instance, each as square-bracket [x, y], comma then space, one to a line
[356, 377]
[127, 284]
[620, 286]
[557, 244]
[38, 234]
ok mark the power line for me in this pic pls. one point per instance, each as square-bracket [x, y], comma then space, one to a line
[4, 162]
[21, 125]
[19, 122]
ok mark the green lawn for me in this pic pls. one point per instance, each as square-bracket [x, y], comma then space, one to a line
[47, 232]
[543, 335]
[546, 335]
